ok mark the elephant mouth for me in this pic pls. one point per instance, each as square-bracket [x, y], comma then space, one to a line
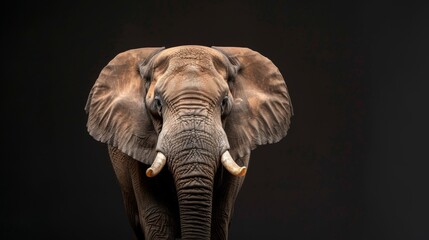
[226, 160]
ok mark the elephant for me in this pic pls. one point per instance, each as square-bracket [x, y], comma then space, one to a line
[179, 124]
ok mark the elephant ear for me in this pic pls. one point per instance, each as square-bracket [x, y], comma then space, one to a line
[262, 109]
[116, 106]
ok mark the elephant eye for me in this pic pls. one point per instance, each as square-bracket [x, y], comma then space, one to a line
[224, 105]
[157, 103]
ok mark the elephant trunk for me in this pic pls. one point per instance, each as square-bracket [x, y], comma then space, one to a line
[193, 172]
[193, 150]
[195, 195]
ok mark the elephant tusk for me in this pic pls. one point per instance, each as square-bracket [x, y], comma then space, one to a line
[231, 166]
[157, 165]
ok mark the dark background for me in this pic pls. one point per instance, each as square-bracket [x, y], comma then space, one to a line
[354, 164]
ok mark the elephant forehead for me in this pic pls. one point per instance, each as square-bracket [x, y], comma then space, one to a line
[195, 78]
[190, 65]
[190, 69]
[189, 52]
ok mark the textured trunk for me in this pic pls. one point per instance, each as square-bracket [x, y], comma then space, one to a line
[193, 147]
[193, 168]
[195, 204]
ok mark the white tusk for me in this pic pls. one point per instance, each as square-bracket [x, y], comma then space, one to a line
[231, 166]
[157, 165]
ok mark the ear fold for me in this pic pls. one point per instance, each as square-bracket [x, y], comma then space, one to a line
[262, 107]
[116, 106]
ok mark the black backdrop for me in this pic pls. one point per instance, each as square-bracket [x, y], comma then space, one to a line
[354, 163]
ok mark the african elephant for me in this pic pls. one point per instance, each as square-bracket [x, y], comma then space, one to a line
[180, 123]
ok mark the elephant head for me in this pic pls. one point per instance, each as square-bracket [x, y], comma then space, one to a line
[191, 110]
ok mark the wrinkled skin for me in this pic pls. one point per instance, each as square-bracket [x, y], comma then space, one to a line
[190, 105]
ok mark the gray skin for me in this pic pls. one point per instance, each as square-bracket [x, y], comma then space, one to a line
[192, 104]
